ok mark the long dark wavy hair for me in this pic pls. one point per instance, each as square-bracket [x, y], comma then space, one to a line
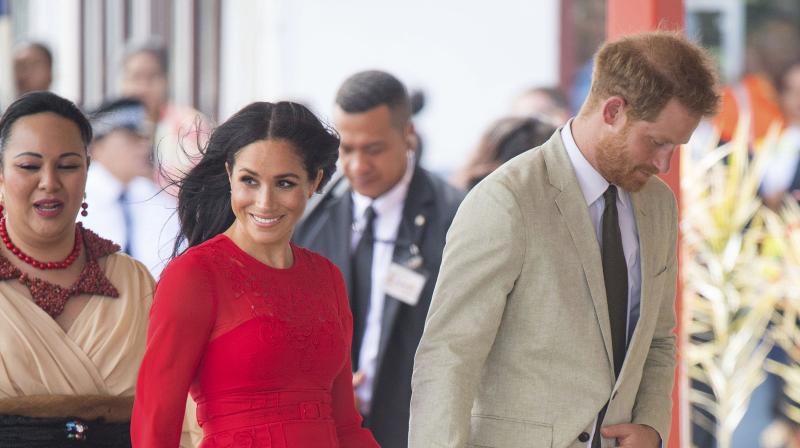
[204, 197]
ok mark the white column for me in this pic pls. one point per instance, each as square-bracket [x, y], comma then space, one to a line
[6, 72]
[181, 55]
[114, 41]
[140, 12]
[93, 68]
[208, 40]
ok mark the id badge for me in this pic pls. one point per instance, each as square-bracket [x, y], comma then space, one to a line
[404, 283]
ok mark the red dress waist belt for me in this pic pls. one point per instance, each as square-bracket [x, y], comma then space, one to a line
[226, 413]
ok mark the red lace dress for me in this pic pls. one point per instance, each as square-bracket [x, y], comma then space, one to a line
[264, 352]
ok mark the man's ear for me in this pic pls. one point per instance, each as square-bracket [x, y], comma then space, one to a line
[410, 136]
[614, 111]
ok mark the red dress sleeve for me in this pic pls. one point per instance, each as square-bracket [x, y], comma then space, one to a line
[348, 420]
[181, 321]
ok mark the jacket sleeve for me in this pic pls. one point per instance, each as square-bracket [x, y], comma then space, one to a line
[482, 260]
[653, 406]
[181, 321]
[348, 420]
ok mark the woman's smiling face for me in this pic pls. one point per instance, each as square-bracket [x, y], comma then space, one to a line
[269, 190]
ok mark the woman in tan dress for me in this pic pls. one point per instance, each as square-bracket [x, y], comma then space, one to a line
[73, 309]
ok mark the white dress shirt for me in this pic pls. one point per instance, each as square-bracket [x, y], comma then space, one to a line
[154, 223]
[782, 167]
[593, 185]
[388, 214]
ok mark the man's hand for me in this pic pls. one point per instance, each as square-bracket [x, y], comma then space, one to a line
[358, 379]
[632, 435]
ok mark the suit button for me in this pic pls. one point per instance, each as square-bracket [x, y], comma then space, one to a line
[584, 437]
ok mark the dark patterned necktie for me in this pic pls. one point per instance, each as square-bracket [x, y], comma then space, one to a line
[615, 275]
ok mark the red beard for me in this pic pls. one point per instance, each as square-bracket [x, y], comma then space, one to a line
[615, 164]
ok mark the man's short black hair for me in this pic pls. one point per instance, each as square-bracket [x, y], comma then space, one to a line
[372, 88]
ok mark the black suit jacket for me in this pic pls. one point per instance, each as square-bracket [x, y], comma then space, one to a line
[327, 229]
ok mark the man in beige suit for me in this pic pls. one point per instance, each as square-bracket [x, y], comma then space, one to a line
[553, 312]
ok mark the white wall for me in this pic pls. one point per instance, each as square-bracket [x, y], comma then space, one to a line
[250, 53]
[470, 57]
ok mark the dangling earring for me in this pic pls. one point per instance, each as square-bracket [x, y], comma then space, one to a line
[84, 206]
[2, 207]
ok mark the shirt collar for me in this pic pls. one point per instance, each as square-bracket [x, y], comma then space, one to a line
[592, 183]
[392, 199]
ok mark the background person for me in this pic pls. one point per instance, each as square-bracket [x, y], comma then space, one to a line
[782, 176]
[505, 139]
[131, 209]
[771, 47]
[547, 104]
[33, 67]
[179, 130]
[383, 224]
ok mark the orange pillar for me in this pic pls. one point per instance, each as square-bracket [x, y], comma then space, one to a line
[632, 16]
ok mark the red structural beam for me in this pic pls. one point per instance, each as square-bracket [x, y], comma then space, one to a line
[633, 16]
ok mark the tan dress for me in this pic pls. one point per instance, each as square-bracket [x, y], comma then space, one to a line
[98, 355]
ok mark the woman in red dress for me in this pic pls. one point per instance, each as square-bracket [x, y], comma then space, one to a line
[256, 329]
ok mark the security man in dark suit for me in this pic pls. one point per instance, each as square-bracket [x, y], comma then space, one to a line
[383, 223]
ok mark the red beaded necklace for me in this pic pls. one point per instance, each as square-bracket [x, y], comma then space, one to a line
[92, 280]
[43, 265]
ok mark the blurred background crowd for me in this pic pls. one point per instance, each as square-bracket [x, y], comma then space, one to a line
[489, 80]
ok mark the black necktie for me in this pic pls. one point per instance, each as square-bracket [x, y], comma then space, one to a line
[362, 282]
[615, 274]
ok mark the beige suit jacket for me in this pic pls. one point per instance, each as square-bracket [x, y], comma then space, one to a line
[516, 350]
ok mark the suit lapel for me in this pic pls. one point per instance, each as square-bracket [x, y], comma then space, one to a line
[574, 212]
[334, 235]
[644, 227]
[419, 200]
